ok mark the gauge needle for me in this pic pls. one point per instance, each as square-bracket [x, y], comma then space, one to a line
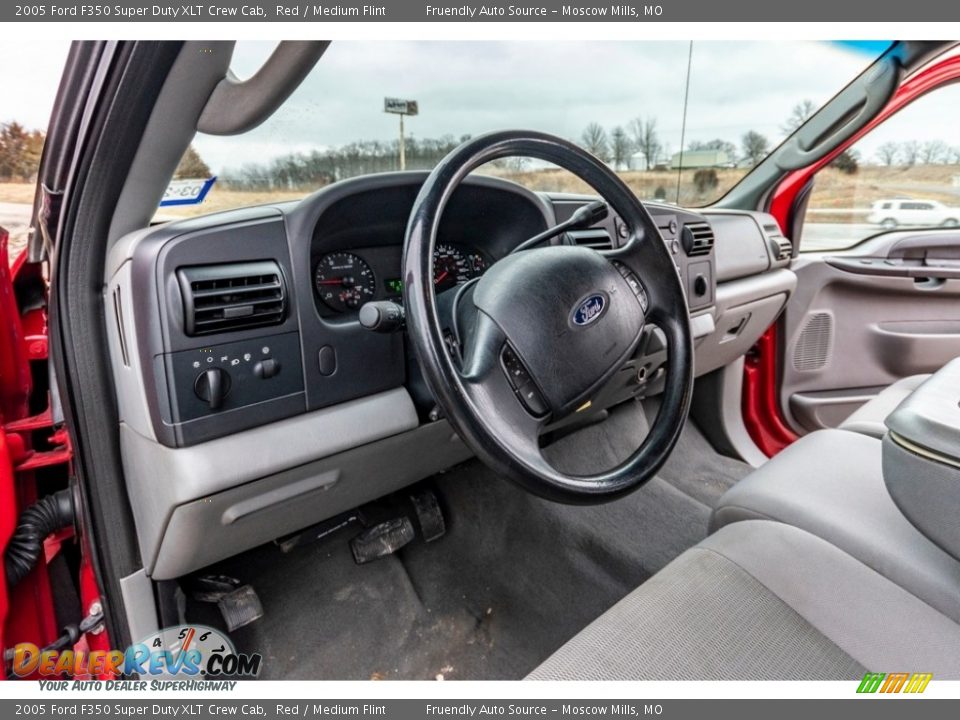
[336, 281]
[440, 277]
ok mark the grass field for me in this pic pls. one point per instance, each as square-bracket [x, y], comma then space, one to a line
[833, 189]
[16, 192]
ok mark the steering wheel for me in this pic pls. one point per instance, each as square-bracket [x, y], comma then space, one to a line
[544, 329]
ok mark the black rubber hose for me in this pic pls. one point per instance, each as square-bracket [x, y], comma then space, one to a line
[52, 513]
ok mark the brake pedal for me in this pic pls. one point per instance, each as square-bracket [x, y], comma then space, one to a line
[429, 515]
[382, 540]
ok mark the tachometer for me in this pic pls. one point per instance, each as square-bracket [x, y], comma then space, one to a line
[452, 266]
[344, 281]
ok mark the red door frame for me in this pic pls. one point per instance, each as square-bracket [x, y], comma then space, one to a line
[762, 413]
[27, 611]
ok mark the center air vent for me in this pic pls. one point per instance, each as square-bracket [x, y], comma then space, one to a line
[222, 298]
[596, 238]
[697, 238]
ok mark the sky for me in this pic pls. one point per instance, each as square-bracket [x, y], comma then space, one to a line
[558, 87]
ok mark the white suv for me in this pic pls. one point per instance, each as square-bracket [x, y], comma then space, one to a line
[890, 214]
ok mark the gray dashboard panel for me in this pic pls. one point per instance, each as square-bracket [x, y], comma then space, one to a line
[194, 505]
[742, 245]
[220, 525]
[161, 478]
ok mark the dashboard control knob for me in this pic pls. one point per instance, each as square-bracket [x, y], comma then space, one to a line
[700, 286]
[212, 387]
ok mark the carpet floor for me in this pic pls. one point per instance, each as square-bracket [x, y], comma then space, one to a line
[512, 580]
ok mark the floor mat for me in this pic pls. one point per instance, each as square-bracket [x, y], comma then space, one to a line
[513, 579]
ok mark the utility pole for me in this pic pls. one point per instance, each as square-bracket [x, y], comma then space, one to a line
[396, 106]
[403, 147]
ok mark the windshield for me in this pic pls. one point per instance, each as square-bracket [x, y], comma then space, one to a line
[680, 122]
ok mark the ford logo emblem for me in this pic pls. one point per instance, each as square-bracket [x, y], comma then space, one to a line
[589, 309]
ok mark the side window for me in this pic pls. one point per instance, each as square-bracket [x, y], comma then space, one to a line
[904, 175]
[27, 102]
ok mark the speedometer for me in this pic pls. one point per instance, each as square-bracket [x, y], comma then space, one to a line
[344, 281]
[452, 266]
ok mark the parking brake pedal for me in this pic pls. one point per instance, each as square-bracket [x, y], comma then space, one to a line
[240, 607]
[239, 604]
[381, 540]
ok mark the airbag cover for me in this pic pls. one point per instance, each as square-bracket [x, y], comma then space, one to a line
[569, 315]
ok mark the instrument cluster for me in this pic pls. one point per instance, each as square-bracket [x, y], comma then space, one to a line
[345, 280]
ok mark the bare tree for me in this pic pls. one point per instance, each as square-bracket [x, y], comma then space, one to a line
[755, 147]
[888, 153]
[646, 139]
[192, 165]
[620, 146]
[953, 156]
[910, 152]
[595, 141]
[933, 152]
[801, 112]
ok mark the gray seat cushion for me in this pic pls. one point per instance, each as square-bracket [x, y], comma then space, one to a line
[869, 418]
[830, 483]
[761, 600]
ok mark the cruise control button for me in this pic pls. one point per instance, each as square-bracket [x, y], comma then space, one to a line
[516, 372]
[530, 397]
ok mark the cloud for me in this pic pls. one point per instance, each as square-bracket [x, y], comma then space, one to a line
[30, 75]
[473, 87]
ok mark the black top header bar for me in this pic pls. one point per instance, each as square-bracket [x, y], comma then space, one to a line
[522, 11]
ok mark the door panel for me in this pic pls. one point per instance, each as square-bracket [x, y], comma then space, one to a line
[864, 318]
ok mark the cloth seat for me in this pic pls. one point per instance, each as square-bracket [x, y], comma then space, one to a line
[830, 483]
[761, 600]
[869, 418]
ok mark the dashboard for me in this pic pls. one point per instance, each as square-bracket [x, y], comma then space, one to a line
[249, 316]
[253, 402]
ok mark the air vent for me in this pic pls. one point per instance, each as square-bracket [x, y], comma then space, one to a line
[815, 343]
[697, 238]
[596, 238]
[780, 247]
[223, 298]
